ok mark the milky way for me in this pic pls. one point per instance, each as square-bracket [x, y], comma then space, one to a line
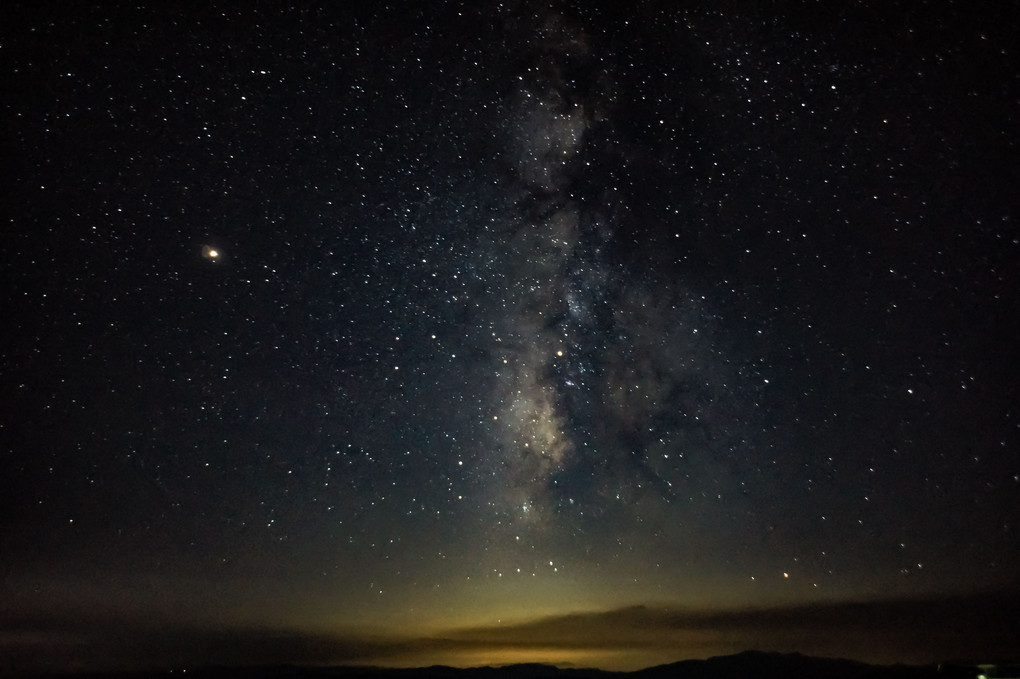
[608, 387]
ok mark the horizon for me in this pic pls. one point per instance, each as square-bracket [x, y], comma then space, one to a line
[914, 632]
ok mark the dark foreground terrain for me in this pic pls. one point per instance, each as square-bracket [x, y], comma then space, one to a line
[750, 665]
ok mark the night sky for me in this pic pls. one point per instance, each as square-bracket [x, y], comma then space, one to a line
[597, 333]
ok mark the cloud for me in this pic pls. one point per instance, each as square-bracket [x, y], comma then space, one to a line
[907, 631]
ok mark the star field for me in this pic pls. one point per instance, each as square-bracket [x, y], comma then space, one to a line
[408, 319]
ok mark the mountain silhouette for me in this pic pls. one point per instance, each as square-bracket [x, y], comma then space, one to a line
[746, 665]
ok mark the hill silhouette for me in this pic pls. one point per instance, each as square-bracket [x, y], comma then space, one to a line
[746, 665]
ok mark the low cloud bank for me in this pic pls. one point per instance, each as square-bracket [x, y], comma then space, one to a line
[884, 632]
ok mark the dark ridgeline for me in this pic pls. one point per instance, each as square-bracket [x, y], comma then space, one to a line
[757, 665]
[747, 665]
